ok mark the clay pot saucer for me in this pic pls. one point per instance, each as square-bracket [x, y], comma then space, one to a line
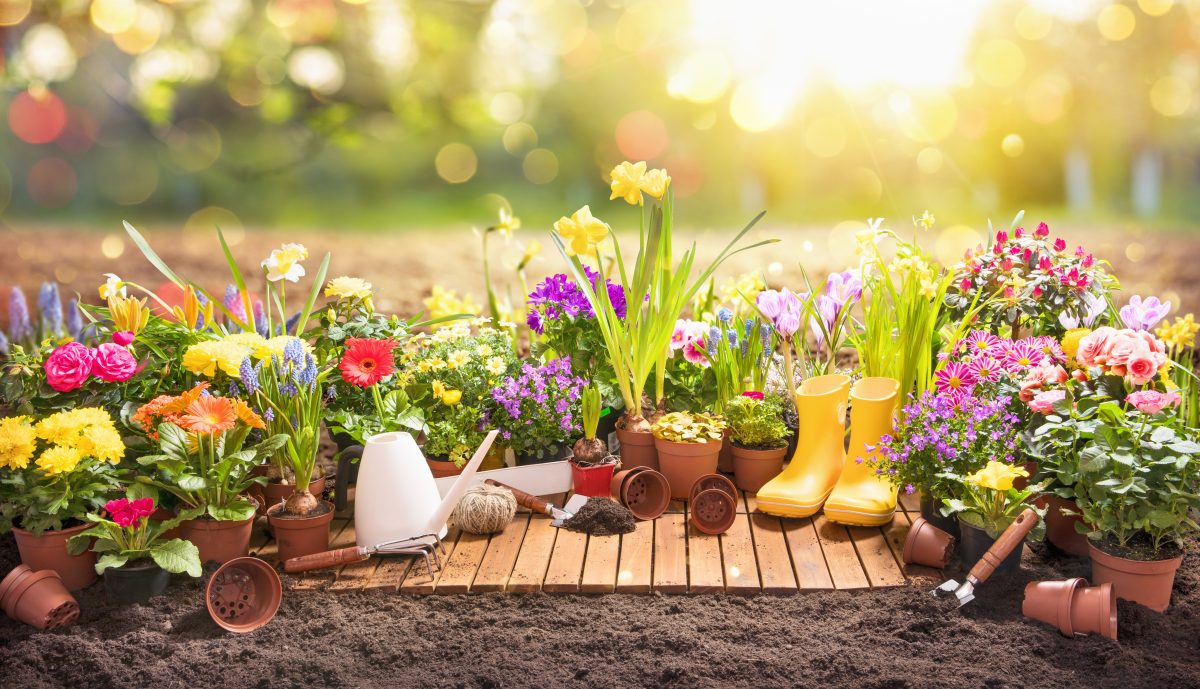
[927, 545]
[712, 511]
[243, 595]
[714, 482]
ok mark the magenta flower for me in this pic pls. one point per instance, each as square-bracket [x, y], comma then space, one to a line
[954, 377]
[1021, 357]
[985, 368]
[982, 342]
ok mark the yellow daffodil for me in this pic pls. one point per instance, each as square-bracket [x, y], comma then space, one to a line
[627, 182]
[458, 359]
[1181, 334]
[925, 221]
[507, 224]
[997, 475]
[451, 397]
[59, 459]
[928, 289]
[655, 183]
[17, 442]
[581, 232]
[1070, 341]
[495, 366]
[349, 288]
[128, 313]
[112, 287]
[284, 263]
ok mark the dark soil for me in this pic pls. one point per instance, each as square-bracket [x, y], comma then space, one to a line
[1140, 547]
[605, 458]
[602, 517]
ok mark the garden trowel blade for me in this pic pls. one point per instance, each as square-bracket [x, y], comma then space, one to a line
[570, 509]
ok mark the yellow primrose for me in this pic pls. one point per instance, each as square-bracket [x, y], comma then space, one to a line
[128, 313]
[1070, 341]
[284, 263]
[997, 475]
[451, 397]
[112, 287]
[581, 232]
[457, 359]
[17, 442]
[655, 183]
[495, 366]
[925, 221]
[508, 223]
[346, 287]
[438, 387]
[627, 182]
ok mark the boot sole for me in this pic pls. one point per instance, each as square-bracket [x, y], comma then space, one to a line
[791, 509]
[854, 518]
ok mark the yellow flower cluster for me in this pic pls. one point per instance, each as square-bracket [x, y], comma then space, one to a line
[128, 313]
[446, 395]
[206, 358]
[997, 475]
[349, 288]
[749, 284]
[1070, 341]
[907, 262]
[17, 442]
[631, 180]
[71, 435]
[1181, 334]
[444, 302]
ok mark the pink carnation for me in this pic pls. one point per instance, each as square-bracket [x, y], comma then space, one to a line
[1152, 401]
[68, 367]
[113, 363]
[1043, 402]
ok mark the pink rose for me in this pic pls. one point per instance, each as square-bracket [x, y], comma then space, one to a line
[1152, 401]
[1124, 346]
[123, 338]
[1142, 368]
[1043, 402]
[69, 366]
[1029, 389]
[1093, 348]
[113, 363]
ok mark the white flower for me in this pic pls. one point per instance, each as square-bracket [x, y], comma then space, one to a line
[495, 366]
[112, 287]
[284, 263]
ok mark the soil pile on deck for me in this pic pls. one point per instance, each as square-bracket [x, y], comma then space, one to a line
[602, 517]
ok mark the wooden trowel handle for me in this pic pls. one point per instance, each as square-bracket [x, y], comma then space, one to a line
[325, 560]
[524, 499]
[1012, 537]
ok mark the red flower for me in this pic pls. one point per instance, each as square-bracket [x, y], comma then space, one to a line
[753, 394]
[127, 513]
[367, 362]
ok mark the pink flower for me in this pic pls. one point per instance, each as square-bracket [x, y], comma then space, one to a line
[1043, 230]
[1060, 245]
[1001, 237]
[753, 394]
[1125, 346]
[68, 367]
[1152, 401]
[1043, 402]
[965, 285]
[1021, 357]
[954, 377]
[984, 368]
[1093, 348]
[1020, 232]
[982, 342]
[113, 363]
[127, 513]
[1045, 264]
[1142, 368]
[123, 338]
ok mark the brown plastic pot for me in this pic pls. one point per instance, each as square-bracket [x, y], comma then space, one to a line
[442, 468]
[725, 459]
[300, 535]
[712, 511]
[645, 492]
[714, 481]
[275, 493]
[1060, 527]
[684, 463]
[218, 541]
[637, 449]
[39, 599]
[753, 468]
[927, 545]
[1073, 607]
[243, 595]
[49, 551]
[1145, 582]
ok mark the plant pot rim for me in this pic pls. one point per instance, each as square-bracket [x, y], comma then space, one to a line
[140, 564]
[15, 576]
[70, 530]
[738, 446]
[1165, 564]
[209, 519]
[275, 592]
[23, 584]
[276, 517]
[687, 449]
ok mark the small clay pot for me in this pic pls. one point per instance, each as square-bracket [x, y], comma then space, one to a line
[927, 545]
[592, 481]
[275, 493]
[243, 595]
[135, 582]
[637, 449]
[645, 492]
[1073, 607]
[218, 541]
[683, 463]
[725, 463]
[712, 511]
[714, 481]
[619, 478]
[753, 468]
[1060, 528]
[442, 468]
[39, 599]
[974, 542]
[300, 535]
[1145, 582]
[49, 551]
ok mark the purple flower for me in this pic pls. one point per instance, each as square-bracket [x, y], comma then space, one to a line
[1141, 314]
[50, 306]
[1094, 305]
[843, 288]
[20, 328]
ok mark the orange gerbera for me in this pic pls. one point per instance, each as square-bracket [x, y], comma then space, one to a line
[246, 415]
[184, 400]
[209, 414]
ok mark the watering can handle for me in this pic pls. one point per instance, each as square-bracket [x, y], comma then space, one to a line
[1011, 538]
[325, 560]
[525, 499]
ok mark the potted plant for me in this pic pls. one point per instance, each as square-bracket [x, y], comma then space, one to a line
[135, 559]
[537, 410]
[687, 445]
[758, 437]
[591, 464]
[205, 463]
[986, 503]
[53, 472]
[737, 354]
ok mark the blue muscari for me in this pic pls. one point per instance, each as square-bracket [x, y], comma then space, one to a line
[20, 328]
[50, 306]
[74, 320]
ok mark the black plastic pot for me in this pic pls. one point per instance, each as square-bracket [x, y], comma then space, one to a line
[135, 582]
[931, 514]
[554, 453]
[973, 542]
[607, 426]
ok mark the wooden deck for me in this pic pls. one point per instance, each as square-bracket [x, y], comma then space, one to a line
[759, 554]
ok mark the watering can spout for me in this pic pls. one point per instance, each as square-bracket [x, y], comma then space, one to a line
[450, 501]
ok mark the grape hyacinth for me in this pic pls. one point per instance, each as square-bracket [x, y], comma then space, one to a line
[50, 306]
[74, 320]
[20, 327]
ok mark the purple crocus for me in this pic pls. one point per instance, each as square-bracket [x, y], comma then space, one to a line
[782, 308]
[843, 287]
[1144, 314]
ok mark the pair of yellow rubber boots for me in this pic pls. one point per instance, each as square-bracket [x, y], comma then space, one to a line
[822, 472]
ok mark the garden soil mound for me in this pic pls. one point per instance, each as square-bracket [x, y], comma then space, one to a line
[888, 639]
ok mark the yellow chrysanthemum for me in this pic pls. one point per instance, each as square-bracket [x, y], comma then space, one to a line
[17, 442]
[655, 183]
[627, 182]
[59, 459]
[581, 232]
[205, 358]
[438, 387]
[997, 475]
[274, 347]
[103, 443]
[457, 359]
[1070, 341]
[349, 288]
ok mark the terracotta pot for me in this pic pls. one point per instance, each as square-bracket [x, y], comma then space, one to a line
[243, 595]
[712, 511]
[1021, 482]
[49, 551]
[683, 463]
[714, 482]
[974, 542]
[645, 492]
[1073, 607]
[442, 468]
[218, 541]
[162, 514]
[619, 478]
[135, 582]
[300, 536]
[753, 468]
[931, 514]
[592, 481]
[37, 598]
[1145, 582]
[725, 459]
[637, 449]
[927, 545]
[275, 493]
[1060, 528]
[494, 459]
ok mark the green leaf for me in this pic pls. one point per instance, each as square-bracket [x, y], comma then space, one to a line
[110, 560]
[189, 482]
[173, 441]
[177, 556]
[237, 511]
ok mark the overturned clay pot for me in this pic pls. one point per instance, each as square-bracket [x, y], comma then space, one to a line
[1073, 607]
[712, 511]
[927, 545]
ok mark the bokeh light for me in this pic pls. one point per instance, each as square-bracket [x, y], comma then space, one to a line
[1171, 96]
[317, 68]
[37, 116]
[112, 246]
[1013, 145]
[540, 166]
[456, 163]
[642, 135]
[1116, 22]
[13, 12]
[113, 16]
[204, 222]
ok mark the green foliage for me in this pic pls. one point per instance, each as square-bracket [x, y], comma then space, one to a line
[685, 427]
[37, 502]
[118, 546]
[757, 424]
[590, 405]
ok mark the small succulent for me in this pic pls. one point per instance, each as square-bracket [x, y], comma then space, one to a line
[687, 427]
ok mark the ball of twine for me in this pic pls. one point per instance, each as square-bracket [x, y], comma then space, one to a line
[485, 509]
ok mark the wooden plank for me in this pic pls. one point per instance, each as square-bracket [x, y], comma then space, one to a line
[418, 580]
[895, 534]
[808, 560]
[737, 558]
[635, 570]
[319, 577]
[705, 573]
[751, 502]
[600, 564]
[877, 560]
[670, 554]
[771, 551]
[909, 502]
[353, 576]
[844, 566]
[566, 562]
[501, 556]
[677, 507]
[530, 568]
[391, 571]
[459, 570]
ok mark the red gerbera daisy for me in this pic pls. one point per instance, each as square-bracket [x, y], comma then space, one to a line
[367, 362]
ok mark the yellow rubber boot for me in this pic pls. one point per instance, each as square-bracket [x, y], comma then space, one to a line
[862, 498]
[820, 450]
